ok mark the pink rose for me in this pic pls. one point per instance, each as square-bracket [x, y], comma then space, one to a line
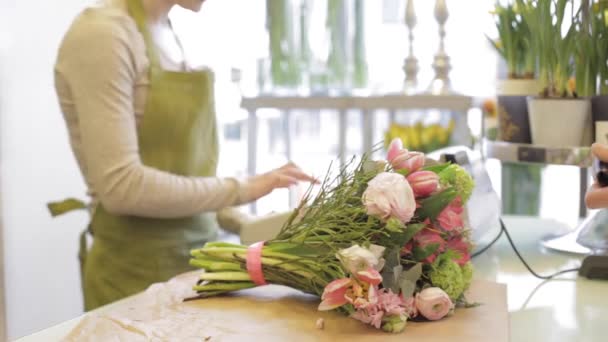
[450, 217]
[423, 183]
[390, 195]
[459, 245]
[433, 303]
[410, 307]
[402, 159]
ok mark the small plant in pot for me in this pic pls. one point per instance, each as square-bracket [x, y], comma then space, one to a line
[596, 18]
[558, 117]
[514, 46]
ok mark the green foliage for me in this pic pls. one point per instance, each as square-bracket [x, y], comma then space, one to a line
[513, 42]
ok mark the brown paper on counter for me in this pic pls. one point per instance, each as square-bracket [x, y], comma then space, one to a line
[276, 313]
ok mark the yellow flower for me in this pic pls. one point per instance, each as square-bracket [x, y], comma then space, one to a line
[489, 107]
[571, 85]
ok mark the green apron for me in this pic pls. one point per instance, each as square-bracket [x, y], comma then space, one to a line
[177, 134]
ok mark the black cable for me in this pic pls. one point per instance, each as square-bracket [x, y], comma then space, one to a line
[481, 251]
[504, 229]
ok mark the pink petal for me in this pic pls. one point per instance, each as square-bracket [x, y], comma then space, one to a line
[370, 276]
[336, 286]
[395, 147]
[332, 303]
[334, 294]
[372, 295]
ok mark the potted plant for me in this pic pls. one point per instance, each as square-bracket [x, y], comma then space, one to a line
[557, 105]
[284, 69]
[598, 21]
[515, 47]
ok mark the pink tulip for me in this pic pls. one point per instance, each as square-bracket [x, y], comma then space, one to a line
[395, 149]
[370, 276]
[360, 298]
[462, 247]
[401, 159]
[450, 217]
[334, 294]
[433, 303]
[414, 162]
[423, 183]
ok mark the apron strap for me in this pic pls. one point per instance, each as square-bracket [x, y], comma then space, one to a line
[65, 206]
[136, 11]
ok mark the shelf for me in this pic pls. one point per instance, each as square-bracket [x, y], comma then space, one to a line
[457, 103]
[526, 153]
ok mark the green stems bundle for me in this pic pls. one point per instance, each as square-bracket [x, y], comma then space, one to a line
[599, 22]
[284, 64]
[303, 255]
[359, 60]
[586, 62]
[553, 50]
[286, 264]
[508, 38]
[514, 43]
[337, 60]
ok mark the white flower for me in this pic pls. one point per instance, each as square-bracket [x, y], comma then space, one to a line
[356, 258]
[390, 195]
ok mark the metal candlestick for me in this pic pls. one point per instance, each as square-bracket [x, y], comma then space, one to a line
[441, 64]
[410, 65]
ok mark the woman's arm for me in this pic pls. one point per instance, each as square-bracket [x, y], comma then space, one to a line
[597, 196]
[98, 63]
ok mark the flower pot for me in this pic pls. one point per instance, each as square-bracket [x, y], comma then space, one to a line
[518, 87]
[513, 122]
[559, 122]
[599, 110]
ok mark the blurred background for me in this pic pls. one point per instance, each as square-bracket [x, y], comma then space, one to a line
[353, 50]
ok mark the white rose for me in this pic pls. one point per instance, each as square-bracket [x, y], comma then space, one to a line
[357, 258]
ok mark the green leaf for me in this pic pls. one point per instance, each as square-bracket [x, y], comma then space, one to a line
[408, 280]
[392, 269]
[403, 172]
[411, 231]
[399, 239]
[436, 168]
[394, 225]
[433, 205]
[421, 253]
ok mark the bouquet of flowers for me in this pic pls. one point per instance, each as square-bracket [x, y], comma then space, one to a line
[383, 243]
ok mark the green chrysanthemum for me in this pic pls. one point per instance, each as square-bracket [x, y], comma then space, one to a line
[457, 177]
[448, 275]
[467, 274]
[394, 323]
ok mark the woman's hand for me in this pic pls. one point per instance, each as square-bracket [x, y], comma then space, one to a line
[597, 197]
[283, 177]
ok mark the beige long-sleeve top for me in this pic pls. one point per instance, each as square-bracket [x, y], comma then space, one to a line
[101, 81]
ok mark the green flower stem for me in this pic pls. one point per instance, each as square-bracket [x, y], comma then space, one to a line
[215, 266]
[235, 286]
[226, 276]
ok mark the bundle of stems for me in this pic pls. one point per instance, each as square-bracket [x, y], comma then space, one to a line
[303, 255]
